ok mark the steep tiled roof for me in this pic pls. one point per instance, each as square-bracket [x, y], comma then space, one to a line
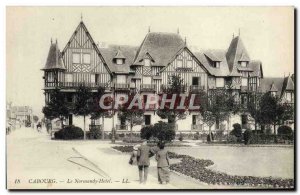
[288, 83]
[280, 85]
[119, 55]
[266, 84]
[235, 53]
[160, 46]
[206, 61]
[109, 53]
[256, 67]
[54, 59]
[273, 88]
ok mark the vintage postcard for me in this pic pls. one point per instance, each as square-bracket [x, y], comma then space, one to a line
[139, 98]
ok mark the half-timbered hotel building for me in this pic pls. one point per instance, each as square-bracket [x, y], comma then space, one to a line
[146, 69]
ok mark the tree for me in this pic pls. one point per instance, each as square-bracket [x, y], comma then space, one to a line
[57, 107]
[219, 105]
[96, 111]
[83, 104]
[161, 131]
[134, 116]
[273, 111]
[176, 87]
[35, 118]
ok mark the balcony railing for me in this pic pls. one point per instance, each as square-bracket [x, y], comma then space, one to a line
[122, 127]
[196, 88]
[122, 86]
[76, 85]
[148, 87]
[197, 127]
[169, 88]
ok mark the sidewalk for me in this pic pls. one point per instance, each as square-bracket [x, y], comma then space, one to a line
[115, 165]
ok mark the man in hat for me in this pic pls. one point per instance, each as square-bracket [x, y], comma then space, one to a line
[143, 161]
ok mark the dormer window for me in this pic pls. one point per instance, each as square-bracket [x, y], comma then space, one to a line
[216, 64]
[147, 62]
[119, 61]
[243, 63]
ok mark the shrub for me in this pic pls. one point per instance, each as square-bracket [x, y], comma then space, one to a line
[132, 140]
[232, 139]
[247, 136]
[161, 131]
[147, 132]
[196, 136]
[69, 132]
[180, 137]
[95, 133]
[237, 130]
[285, 130]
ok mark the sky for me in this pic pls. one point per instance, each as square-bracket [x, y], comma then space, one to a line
[267, 33]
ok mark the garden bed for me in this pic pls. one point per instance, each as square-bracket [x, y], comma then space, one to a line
[197, 169]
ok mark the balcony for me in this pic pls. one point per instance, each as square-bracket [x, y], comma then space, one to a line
[168, 89]
[196, 88]
[198, 127]
[72, 85]
[122, 127]
[122, 86]
[148, 87]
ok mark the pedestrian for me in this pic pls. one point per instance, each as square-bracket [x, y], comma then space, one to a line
[133, 157]
[163, 164]
[143, 161]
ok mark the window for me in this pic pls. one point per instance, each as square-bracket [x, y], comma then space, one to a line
[93, 78]
[119, 61]
[146, 80]
[194, 120]
[244, 82]
[220, 82]
[147, 62]
[245, 74]
[147, 119]
[86, 58]
[76, 58]
[179, 63]
[189, 64]
[69, 98]
[273, 93]
[243, 64]
[50, 77]
[121, 78]
[217, 64]
[289, 96]
[195, 81]
[68, 77]
[96, 78]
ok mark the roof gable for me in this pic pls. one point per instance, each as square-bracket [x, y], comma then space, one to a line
[161, 47]
[84, 42]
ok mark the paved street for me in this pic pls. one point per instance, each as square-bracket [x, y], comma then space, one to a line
[93, 164]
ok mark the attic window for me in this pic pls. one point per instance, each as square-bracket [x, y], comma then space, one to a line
[189, 63]
[147, 62]
[119, 61]
[179, 63]
[76, 58]
[87, 58]
[243, 63]
[216, 64]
